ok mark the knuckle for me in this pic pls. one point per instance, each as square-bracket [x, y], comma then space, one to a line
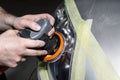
[37, 43]
[12, 65]
[33, 24]
[28, 15]
[53, 29]
[45, 14]
[22, 21]
[32, 53]
[52, 19]
[20, 51]
[41, 52]
[18, 59]
[40, 43]
[10, 31]
[35, 52]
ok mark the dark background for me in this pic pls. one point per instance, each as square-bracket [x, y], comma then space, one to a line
[21, 7]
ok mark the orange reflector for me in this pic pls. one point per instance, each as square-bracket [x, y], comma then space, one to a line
[57, 53]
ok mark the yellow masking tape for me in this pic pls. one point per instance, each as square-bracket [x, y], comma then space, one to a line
[87, 46]
[43, 71]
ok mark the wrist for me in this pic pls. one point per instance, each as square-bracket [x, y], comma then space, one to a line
[9, 19]
[6, 18]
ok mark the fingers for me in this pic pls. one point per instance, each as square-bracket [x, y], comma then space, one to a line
[34, 26]
[51, 31]
[28, 43]
[50, 18]
[11, 63]
[52, 21]
[31, 52]
[44, 16]
[23, 59]
[31, 24]
[40, 16]
[28, 52]
[30, 21]
[16, 31]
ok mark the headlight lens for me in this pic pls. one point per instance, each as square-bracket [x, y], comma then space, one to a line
[60, 70]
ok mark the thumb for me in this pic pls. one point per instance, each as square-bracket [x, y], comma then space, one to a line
[16, 31]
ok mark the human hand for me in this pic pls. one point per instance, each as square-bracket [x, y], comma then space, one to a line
[13, 48]
[29, 21]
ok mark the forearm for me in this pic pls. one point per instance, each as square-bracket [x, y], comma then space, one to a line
[6, 19]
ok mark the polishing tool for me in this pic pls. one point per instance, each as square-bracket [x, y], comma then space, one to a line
[54, 45]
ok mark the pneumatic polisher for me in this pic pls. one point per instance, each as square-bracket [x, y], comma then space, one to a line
[54, 45]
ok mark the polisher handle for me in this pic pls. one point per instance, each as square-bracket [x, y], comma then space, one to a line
[45, 28]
